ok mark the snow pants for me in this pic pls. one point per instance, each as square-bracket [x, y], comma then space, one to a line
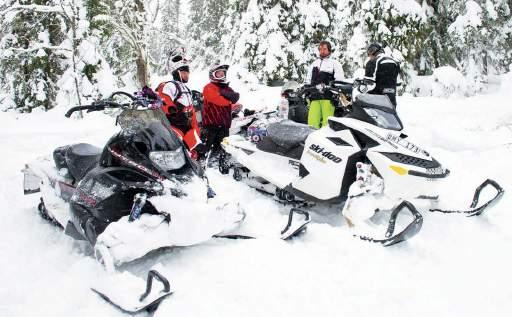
[319, 111]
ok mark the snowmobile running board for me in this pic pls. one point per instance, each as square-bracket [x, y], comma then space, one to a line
[290, 231]
[411, 230]
[476, 211]
[145, 301]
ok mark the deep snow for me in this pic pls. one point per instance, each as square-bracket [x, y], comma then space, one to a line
[456, 266]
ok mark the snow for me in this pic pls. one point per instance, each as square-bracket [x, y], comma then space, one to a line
[472, 18]
[456, 266]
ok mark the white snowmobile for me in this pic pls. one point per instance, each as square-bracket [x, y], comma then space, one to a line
[141, 192]
[360, 161]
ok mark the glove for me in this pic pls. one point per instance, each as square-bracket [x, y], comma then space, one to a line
[320, 87]
[236, 107]
[248, 112]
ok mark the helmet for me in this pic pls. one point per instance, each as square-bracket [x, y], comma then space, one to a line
[374, 49]
[215, 74]
[177, 60]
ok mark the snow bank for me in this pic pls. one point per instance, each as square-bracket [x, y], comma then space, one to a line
[445, 81]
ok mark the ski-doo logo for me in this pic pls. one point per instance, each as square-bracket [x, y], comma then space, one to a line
[322, 154]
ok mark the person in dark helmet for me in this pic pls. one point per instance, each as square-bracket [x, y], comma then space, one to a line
[220, 102]
[383, 70]
[321, 73]
[178, 103]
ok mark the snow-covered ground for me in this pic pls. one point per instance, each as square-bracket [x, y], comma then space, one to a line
[456, 266]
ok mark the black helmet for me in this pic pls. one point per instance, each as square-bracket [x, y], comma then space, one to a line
[374, 48]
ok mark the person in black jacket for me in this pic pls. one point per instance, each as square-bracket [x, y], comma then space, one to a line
[383, 71]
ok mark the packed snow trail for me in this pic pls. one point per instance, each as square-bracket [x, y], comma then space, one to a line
[454, 266]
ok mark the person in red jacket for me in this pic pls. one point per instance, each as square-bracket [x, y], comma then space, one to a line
[220, 102]
[178, 105]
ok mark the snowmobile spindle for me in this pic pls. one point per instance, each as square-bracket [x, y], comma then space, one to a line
[138, 203]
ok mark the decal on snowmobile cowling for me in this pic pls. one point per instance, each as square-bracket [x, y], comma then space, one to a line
[320, 150]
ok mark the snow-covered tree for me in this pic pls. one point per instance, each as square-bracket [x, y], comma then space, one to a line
[209, 22]
[32, 52]
[278, 39]
[127, 46]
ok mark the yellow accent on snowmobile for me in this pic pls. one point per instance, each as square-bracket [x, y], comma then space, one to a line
[399, 170]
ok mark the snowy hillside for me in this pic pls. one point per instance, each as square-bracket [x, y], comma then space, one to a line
[456, 266]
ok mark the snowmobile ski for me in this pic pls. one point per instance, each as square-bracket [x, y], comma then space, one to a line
[409, 231]
[474, 210]
[292, 229]
[147, 301]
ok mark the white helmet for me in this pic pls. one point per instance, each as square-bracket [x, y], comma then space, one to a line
[215, 73]
[178, 60]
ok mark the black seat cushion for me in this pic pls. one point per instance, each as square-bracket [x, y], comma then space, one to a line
[81, 158]
[268, 145]
[288, 134]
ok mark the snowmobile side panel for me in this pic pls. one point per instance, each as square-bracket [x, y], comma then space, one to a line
[71, 231]
[31, 182]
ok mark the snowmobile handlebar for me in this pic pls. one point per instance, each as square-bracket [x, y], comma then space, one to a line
[103, 104]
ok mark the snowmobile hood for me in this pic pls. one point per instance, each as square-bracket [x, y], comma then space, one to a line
[144, 133]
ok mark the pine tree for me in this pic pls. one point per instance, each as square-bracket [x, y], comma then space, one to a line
[127, 48]
[32, 56]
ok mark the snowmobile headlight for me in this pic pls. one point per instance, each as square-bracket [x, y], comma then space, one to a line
[168, 160]
[384, 119]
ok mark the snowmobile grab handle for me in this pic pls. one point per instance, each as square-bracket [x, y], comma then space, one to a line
[149, 283]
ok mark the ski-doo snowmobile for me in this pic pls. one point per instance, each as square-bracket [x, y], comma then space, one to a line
[361, 161]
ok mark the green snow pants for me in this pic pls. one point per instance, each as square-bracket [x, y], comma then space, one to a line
[319, 111]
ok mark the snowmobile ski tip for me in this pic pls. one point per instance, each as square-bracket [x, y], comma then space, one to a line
[410, 230]
[146, 301]
[476, 211]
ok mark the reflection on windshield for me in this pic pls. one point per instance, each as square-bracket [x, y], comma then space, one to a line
[132, 120]
[384, 119]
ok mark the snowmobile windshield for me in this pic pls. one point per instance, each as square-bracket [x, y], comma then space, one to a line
[152, 141]
[132, 120]
[377, 110]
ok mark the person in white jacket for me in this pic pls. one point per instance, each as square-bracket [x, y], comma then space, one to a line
[321, 73]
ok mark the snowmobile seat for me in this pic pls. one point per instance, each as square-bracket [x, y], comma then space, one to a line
[81, 158]
[268, 145]
[288, 134]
